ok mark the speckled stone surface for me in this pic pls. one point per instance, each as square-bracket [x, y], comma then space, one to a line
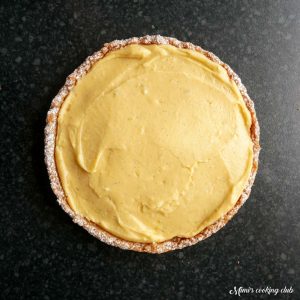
[43, 255]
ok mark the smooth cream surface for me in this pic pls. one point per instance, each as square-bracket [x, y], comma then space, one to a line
[154, 142]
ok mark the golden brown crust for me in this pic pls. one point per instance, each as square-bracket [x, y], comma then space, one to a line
[50, 135]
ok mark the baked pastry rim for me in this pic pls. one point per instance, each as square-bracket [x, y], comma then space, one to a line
[50, 137]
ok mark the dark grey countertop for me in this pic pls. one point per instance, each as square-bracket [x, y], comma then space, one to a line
[43, 255]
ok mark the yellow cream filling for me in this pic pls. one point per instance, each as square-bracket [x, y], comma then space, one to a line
[154, 142]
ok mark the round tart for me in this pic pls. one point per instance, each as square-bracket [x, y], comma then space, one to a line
[152, 144]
